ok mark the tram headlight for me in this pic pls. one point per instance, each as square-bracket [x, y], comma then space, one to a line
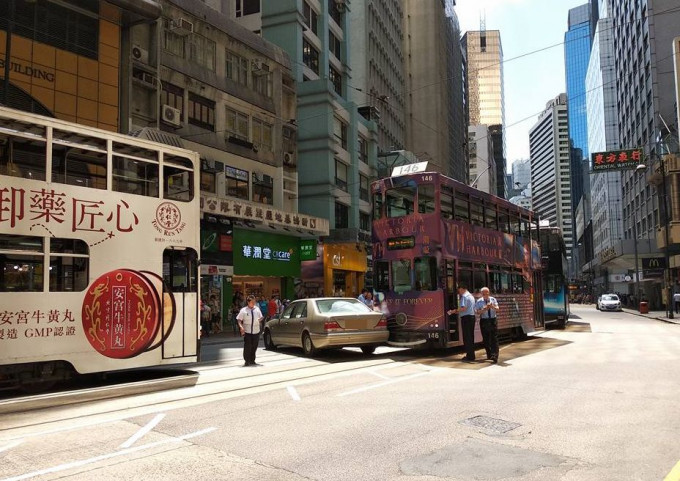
[401, 319]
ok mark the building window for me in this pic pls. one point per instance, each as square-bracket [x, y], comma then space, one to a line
[56, 25]
[340, 132]
[202, 51]
[208, 182]
[247, 7]
[172, 43]
[334, 45]
[363, 187]
[201, 112]
[310, 56]
[262, 134]
[263, 189]
[311, 18]
[236, 124]
[341, 216]
[173, 96]
[363, 150]
[236, 182]
[262, 79]
[341, 175]
[334, 11]
[336, 79]
[364, 222]
[236, 67]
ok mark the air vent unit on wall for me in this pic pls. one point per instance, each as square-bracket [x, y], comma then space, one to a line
[259, 67]
[289, 159]
[182, 26]
[340, 5]
[171, 115]
[140, 54]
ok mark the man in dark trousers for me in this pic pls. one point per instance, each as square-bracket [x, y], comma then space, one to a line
[466, 312]
[486, 308]
[249, 322]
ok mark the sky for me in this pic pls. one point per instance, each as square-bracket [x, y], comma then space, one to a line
[532, 77]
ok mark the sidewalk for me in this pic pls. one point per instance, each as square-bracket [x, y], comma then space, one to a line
[224, 337]
[656, 315]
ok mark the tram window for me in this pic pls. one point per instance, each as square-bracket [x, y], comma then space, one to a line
[381, 271]
[461, 208]
[503, 221]
[178, 182]
[517, 284]
[446, 202]
[495, 281]
[135, 177]
[526, 228]
[505, 283]
[69, 265]
[476, 212]
[465, 278]
[180, 269]
[21, 263]
[426, 198]
[377, 205]
[20, 158]
[425, 270]
[490, 217]
[81, 167]
[515, 227]
[399, 201]
[401, 275]
[479, 280]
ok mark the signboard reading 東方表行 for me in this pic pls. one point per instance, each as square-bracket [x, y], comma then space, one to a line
[616, 159]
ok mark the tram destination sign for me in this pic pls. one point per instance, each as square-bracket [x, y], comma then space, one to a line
[398, 243]
[616, 159]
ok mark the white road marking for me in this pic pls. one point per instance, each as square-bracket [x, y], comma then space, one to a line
[293, 393]
[381, 376]
[135, 437]
[84, 462]
[11, 445]
[381, 384]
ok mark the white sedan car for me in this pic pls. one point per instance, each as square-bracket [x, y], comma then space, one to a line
[609, 302]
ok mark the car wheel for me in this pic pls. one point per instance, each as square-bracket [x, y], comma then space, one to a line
[368, 349]
[307, 345]
[268, 343]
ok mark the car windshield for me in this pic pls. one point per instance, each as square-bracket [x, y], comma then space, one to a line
[341, 306]
[610, 298]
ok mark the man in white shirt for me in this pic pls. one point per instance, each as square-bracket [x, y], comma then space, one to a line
[486, 308]
[466, 313]
[249, 320]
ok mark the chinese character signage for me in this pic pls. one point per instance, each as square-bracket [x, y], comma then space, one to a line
[261, 253]
[616, 159]
[308, 249]
[243, 209]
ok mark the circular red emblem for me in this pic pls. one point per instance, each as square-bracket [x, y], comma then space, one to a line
[121, 313]
[168, 216]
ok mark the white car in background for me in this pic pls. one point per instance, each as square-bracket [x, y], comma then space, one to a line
[609, 302]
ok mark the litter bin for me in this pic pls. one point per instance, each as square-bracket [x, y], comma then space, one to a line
[644, 307]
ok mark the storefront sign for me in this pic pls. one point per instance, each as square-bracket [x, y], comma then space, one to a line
[216, 270]
[251, 211]
[607, 254]
[260, 253]
[308, 249]
[616, 159]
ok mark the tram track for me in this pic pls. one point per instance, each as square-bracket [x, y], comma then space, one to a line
[30, 416]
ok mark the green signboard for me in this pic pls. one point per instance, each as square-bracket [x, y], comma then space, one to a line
[616, 159]
[263, 254]
[308, 249]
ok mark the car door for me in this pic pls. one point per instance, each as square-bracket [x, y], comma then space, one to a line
[281, 328]
[297, 322]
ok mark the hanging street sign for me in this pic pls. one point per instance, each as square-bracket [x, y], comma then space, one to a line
[616, 159]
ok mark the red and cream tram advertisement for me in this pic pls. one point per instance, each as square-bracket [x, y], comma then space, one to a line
[431, 235]
[99, 235]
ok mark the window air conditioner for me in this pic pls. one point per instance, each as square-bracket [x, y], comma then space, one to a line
[182, 26]
[171, 115]
[288, 159]
[140, 54]
[259, 67]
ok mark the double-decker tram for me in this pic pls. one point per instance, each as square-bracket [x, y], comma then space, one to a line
[99, 242]
[432, 234]
[554, 264]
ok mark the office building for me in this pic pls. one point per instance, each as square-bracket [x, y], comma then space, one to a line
[482, 162]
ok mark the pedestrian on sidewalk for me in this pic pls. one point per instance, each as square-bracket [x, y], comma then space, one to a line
[676, 301]
[486, 308]
[249, 323]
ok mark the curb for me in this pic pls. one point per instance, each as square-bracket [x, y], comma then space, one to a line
[662, 319]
